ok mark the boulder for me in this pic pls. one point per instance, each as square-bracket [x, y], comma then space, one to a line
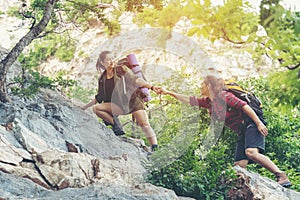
[55, 150]
[252, 186]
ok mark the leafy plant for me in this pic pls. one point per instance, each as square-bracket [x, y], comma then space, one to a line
[282, 27]
[201, 179]
[163, 18]
[288, 84]
[31, 81]
[211, 177]
[81, 93]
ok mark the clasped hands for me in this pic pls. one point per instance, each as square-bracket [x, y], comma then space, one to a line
[159, 90]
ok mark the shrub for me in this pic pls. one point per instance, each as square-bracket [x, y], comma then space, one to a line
[212, 176]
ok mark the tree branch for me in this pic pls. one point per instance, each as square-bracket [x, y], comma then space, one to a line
[12, 56]
[225, 37]
[23, 13]
[294, 67]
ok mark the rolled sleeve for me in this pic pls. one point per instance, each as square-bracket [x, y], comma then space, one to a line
[203, 102]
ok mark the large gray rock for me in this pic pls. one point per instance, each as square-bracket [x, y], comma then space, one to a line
[251, 186]
[14, 188]
[51, 144]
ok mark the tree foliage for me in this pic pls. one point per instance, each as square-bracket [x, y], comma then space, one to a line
[232, 22]
[34, 32]
[283, 31]
[163, 18]
[53, 17]
[139, 5]
[237, 22]
[31, 81]
[288, 99]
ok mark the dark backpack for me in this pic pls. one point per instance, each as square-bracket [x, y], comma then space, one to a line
[247, 96]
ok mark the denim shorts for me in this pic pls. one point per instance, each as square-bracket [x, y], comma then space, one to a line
[249, 138]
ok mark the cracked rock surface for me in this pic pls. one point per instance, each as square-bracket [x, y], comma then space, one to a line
[50, 148]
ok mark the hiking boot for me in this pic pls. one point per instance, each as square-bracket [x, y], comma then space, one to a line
[107, 123]
[116, 127]
[154, 147]
[283, 180]
[117, 130]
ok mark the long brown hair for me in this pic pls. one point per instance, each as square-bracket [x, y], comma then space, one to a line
[101, 58]
[214, 84]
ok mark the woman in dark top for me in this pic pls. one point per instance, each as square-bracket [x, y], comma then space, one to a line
[119, 94]
[223, 105]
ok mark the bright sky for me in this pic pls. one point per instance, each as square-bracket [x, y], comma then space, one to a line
[294, 5]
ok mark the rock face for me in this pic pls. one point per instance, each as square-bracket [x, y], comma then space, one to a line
[252, 186]
[50, 148]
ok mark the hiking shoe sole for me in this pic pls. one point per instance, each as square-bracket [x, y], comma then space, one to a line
[286, 185]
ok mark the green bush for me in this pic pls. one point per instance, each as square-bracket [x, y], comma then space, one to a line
[81, 93]
[285, 91]
[210, 177]
[193, 177]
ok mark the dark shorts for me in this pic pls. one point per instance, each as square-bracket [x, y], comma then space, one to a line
[249, 138]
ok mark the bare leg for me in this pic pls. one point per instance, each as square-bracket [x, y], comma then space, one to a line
[262, 160]
[106, 110]
[142, 120]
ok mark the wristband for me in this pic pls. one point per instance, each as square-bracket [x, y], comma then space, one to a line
[151, 88]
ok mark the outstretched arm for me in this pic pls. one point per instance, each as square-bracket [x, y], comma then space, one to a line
[181, 97]
[250, 112]
[142, 83]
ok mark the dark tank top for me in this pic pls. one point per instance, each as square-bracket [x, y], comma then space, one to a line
[109, 87]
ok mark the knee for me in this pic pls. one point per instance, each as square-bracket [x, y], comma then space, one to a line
[94, 109]
[144, 124]
[99, 111]
[99, 108]
[250, 153]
